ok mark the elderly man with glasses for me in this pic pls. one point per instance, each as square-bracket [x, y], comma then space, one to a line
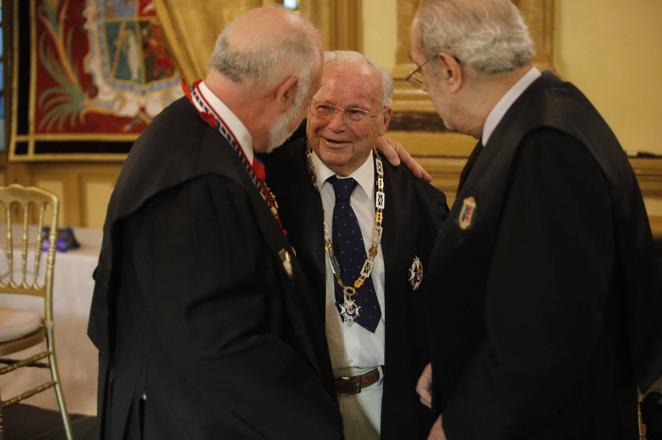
[362, 230]
[549, 315]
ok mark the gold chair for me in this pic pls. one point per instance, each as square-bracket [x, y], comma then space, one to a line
[22, 273]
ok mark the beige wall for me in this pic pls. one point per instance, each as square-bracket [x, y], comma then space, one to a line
[379, 31]
[612, 50]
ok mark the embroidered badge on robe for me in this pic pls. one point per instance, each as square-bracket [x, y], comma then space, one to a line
[467, 214]
[286, 260]
[415, 273]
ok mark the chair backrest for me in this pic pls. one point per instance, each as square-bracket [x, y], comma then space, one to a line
[24, 214]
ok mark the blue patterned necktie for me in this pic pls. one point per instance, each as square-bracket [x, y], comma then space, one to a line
[350, 252]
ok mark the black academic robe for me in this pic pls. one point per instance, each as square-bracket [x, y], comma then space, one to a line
[547, 311]
[204, 331]
[414, 210]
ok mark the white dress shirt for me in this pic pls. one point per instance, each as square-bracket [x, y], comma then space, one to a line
[353, 345]
[232, 122]
[506, 101]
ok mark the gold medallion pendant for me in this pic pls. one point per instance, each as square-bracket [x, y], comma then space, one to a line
[349, 310]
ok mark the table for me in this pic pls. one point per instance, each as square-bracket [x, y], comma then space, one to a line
[77, 357]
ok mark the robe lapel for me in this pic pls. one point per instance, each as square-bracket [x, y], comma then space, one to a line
[390, 234]
[299, 304]
[307, 223]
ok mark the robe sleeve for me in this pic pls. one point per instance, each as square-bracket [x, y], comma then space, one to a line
[545, 295]
[212, 293]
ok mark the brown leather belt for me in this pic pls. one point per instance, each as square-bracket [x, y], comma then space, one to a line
[354, 384]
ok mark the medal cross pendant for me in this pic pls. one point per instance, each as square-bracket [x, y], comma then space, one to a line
[349, 311]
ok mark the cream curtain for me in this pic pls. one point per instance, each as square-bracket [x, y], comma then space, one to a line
[191, 28]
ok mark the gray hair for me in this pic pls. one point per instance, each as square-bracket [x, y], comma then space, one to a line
[488, 35]
[268, 64]
[357, 58]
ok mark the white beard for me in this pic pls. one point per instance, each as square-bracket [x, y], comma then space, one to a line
[283, 128]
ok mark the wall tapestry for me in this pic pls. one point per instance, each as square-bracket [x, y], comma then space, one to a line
[88, 76]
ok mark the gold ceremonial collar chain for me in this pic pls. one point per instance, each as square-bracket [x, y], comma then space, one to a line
[349, 291]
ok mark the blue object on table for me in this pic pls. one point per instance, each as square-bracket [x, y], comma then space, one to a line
[64, 239]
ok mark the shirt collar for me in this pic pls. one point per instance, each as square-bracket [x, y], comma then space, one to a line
[364, 175]
[231, 120]
[506, 102]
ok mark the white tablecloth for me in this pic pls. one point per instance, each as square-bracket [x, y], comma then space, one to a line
[76, 355]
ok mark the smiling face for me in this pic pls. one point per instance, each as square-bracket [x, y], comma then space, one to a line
[342, 143]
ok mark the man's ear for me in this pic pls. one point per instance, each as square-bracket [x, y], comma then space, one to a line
[285, 91]
[387, 119]
[451, 71]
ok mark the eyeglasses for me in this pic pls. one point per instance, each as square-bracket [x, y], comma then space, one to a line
[415, 77]
[351, 115]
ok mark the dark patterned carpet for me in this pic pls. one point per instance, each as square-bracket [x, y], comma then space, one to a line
[25, 422]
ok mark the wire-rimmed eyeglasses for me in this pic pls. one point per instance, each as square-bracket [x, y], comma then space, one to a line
[415, 77]
[351, 115]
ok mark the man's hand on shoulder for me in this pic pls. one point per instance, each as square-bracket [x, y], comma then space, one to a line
[395, 153]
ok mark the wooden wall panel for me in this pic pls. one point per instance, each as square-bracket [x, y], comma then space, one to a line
[95, 193]
[85, 188]
[55, 185]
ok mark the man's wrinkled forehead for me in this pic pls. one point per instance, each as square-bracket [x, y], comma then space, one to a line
[350, 81]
